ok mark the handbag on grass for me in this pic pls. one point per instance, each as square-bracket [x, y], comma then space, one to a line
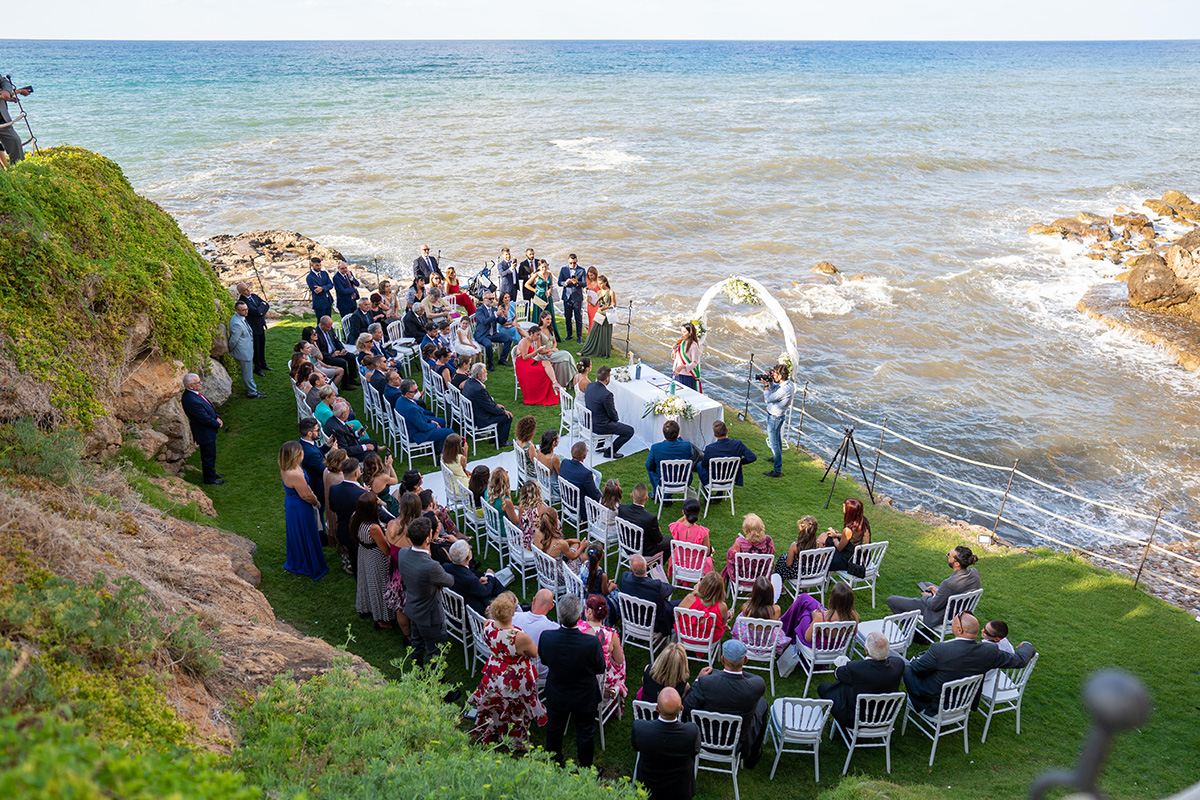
[787, 661]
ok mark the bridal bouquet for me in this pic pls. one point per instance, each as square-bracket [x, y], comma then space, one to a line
[671, 405]
[739, 291]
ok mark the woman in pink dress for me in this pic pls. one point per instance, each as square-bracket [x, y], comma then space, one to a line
[709, 597]
[595, 611]
[685, 529]
[592, 294]
[506, 700]
[753, 539]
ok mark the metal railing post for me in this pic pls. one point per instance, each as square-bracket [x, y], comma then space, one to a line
[628, 327]
[878, 451]
[1146, 552]
[749, 381]
[800, 425]
[1004, 501]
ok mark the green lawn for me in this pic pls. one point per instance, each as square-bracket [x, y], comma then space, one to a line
[1079, 618]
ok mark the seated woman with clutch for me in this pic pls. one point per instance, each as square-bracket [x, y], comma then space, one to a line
[560, 365]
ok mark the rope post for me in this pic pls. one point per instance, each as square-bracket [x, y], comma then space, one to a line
[878, 451]
[749, 380]
[1146, 552]
[1004, 500]
[628, 328]
[800, 425]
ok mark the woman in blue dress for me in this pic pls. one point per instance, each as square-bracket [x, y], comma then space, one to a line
[304, 553]
[541, 283]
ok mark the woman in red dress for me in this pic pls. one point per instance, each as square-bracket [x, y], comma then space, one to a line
[537, 388]
[507, 699]
[592, 293]
[455, 291]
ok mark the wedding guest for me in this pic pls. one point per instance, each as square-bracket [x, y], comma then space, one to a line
[575, 472]
[592, 293]
[396, 533]
[388, 302]
[486, 410]
[499, 494]
[329, 478]
[672, 448]
[374, 554]
[964, 577]
[506, 700]
[334, 352]
[653, 542]
[464, 345]
[478, 589]
[342, 501]
[542, 285]
[724, 447]
[595, 579]
[559, 364]
[549, 539]
[453, 290]
[241, 347]
[753, 539]
[506, 268]
[685, 358]
[425, 265]
[320, 286]
[415, 296]
[573, 281]
[581, 380]
[534, 377]
[303, 552]
[731, 691]
[506, 318]
[544, 454]
[488, 330]
[535, 622]
[525, 430]
[686, 529]
[378, 476]
[595, 611]
[346, 286]
[856, 530]
[530, 509]
[879, 673]
[454, 458]
[423, 581]
[787, 566]
[256, 316]
[525, 271]
[669, 671]
[204, 422]
[807, 611]
[422, 425]
[637, 582]
[666, 750]
[760, 605]
[599, 341]
[709, 598]
[573, 659]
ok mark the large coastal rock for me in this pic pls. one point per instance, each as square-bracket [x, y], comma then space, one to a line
[1153, 285]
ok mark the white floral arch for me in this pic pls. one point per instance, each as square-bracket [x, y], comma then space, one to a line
[740, 289]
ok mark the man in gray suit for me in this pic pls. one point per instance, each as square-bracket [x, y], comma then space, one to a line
[932, 602]
[424, 579]
[960, 657]
[241, 347]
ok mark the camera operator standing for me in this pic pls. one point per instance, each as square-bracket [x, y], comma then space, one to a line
[778, 391]
[9, 137]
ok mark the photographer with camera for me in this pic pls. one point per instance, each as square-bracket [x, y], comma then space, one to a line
[778, 391]
[9, 137]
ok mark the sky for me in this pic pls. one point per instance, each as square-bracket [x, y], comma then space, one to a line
[903, 20]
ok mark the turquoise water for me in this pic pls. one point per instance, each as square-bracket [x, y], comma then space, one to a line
[671, 165]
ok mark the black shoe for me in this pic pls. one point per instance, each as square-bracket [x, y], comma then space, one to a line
[617, 455]
[220, 475]
[215, 482]
[267, 369]
[773, 474]
[579, 341]
[259, 373]
[504, 363]
[452, 696]
[856, 569]
[256, 396]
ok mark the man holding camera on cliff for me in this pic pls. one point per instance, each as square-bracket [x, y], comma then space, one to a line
[778, 391]
[9, 138]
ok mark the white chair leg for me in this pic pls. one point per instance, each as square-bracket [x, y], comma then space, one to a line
[850, 754]
[887, 754]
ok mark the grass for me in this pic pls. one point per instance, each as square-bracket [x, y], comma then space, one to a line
[1081, 619]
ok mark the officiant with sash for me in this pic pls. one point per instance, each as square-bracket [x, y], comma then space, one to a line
[685, 358]
[599, 341]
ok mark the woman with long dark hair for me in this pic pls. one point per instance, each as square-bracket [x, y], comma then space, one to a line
[559, 363]
[856, 530]
[599, 341]
[685, 358]
[374, 553]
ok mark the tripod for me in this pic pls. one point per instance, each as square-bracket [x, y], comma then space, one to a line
[838, 463]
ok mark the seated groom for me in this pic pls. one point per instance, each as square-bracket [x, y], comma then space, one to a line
[487, 410]
[487, 332]
[671, 449]
[599, 401]
[724, 447]
[422, 425]
[575, 472]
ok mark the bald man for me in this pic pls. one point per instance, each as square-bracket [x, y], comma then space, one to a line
[667, 748]
[256, 318]
[960, 657]
[537, 621]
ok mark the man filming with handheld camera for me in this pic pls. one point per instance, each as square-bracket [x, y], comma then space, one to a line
[9, 137]
[778, 391]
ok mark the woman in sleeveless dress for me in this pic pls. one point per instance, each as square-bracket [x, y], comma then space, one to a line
[709, 598]
[687, 529]
[506, 700]
[787, 566]
[536, 378]
[374, 556]
[592, 294]
[396, 533]
[760, 605]
[562, 363]
[599, 341]
[595, 611]
[455, 291]
[304, 555]
[530, 508]
[549, 539]
[541, 283]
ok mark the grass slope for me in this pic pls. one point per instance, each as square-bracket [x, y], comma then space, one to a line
[1080, 619]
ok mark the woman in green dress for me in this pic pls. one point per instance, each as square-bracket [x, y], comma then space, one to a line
[562, 364]
[599, 341]
[541, 283]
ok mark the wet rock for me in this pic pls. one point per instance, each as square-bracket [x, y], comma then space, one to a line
[1162, 208]
[1088, 218]
[1069, 225]
[1045, 230]
[1146, 231]
[1184, 257]
[1177, 198]
[1129, 219]
[1100, 233]
[1145, 258]
[826, 268]
[1153, 285]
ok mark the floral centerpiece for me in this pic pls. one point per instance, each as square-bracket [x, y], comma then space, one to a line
[670, 405]
[701, 329]
[622, 374]
[785, 358]
[738, 290]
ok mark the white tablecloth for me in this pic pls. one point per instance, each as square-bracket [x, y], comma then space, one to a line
[631, 399]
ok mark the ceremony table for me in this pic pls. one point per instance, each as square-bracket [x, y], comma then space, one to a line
[632, 396]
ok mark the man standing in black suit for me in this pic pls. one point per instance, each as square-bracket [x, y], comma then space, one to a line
[667, 748]
[314, 459]
[653, 541]
[599, 401]
[525, 271]
[256, 318]
[343, 497]
[731, 691]
[335, 354]
[636, 582]
[573, 659]
[425, 265]
[424, 580]
[486, 410]
[204, 421]
[879, 673]
[960, 657]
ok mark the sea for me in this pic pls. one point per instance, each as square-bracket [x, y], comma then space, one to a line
[915, 167]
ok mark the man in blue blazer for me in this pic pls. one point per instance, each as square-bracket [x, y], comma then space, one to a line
[321, 287]
[314, 458]
[576, 473]
[422, 425]
[391, 392]
[204, 421]
[487, 326]
[573, 281]
[486, 410]
[672, 449]
[346, 286]
[599, 400]
[724, 447]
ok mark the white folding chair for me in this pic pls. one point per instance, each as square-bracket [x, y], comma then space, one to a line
[687, 564]
[812, 572]
[439, 393]
[568, 494]
[875, 718]
[645, 710]
[303, 412]
[520, 558]
[600, 530]
[407, 446]
[964, 603]
[426, 376]
[606, 709]
[1005, 694]
[953, 713]
[595, 441]
[474, 432]
[798, 721]
[870, 556]
[898, 628]
[760, 638]
[638, 618]
[337, 331]
[547, 483]
[454, 402]
[829, 640]
[697, 632]
[573, 584]
[674, 478]
[524, 471]
[722, 478]
[566, 410]
[747, 567]
[719, 739]
[456, 622]
[493, 531]
[629, 542]
[479, 642]
[454, 491]
[549, 572]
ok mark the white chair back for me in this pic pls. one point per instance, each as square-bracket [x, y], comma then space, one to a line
[638, 618]
[407, 446]
[964, 603]
[1005, 693]
[697, 632]
[520, 560]
[493, 531]
[645, 710]
[798, 721]
[546, 481]
[439, 390]
[594, 440]
[687, 564]
[569, 495]
[474, 432]
[674, 478]
[812, 573]
[747, 567]
[629, 541]
[479, 642]
[549, 572]
[456, 622]
[523, 469]
[899, 630]
[870, 556]
[953, 713]
[829, 641]
[760, 638]
[875, 718]
[722, 478]
[566, 410]
[600, 531]
[573, 584]
[719, 737]
[454, 404]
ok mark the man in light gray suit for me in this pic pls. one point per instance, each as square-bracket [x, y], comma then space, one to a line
[424, 580]
[241, 347]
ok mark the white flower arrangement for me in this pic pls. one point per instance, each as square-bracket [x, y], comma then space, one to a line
[701, 329]
[670, 405]
[785, 358]
[739, 291]
[622, 375]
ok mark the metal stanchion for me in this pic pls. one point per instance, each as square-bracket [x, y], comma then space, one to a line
[1146, 552]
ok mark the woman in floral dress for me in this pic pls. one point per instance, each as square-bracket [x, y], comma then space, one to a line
[595, 611]
[506, 700]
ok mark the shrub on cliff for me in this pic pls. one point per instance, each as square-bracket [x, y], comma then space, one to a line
[82, 257]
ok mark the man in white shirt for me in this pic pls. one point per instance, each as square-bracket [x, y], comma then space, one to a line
[995, 632]
[534, 622]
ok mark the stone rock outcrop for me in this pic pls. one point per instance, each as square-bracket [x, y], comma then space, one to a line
[1153, 285]
[218, 385]
[826, 268]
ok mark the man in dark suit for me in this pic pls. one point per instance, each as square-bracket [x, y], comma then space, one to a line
[724, 447]
[487, 326]
[731, 691]
[256, 318]
[314, 458]
[573, 659]
[576, 473]
[422, 425]
[343, 497]
[335, 354]
[204, 421]
[525, 271]
[424, 580]
[507, 269]
[391, 389]
[667, 748]
[672, 448]
[879, 673]
[573, 281]
[960, 657]
[487, 410]
[374, 374]
[477, 589]
[356, 321]
[425, 265]
[346, 286]
[599, 400]
[653, 541]
[636, 582]
[343, 435]
[321, 287]
[933, 600]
